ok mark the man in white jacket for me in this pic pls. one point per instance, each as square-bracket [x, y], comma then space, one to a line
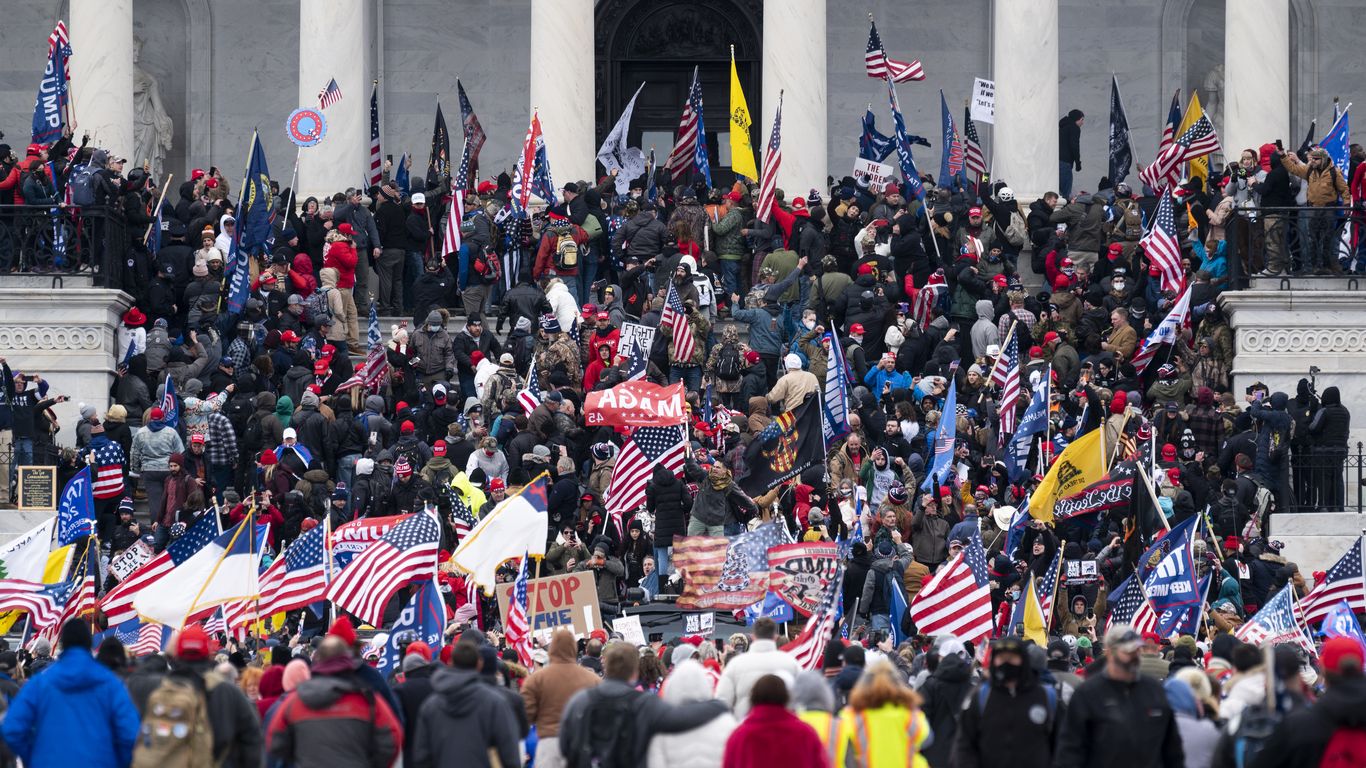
[762, 658]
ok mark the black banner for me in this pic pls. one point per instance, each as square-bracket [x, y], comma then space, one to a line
[1110, 492]
[785, 448]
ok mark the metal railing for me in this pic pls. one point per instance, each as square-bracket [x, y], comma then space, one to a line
[1323, 481]
[1304, 241]
[42, 240]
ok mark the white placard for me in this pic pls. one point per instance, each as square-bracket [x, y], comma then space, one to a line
[878, 174]
[700, 623]
[983, 109]
[130, 559]
[630, 629]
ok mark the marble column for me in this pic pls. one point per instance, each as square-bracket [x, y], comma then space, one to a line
[333, 42]
[562, 87]
[1256, 75]
[794, 63]
[1024, 142]
[102, 73]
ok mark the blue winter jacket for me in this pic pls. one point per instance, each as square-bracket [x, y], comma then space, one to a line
[76, 713]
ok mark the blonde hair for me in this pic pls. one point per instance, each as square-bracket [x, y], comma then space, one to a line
[251, 679]
[881, 684]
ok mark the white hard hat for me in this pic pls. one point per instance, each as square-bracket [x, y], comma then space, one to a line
[1005, 195]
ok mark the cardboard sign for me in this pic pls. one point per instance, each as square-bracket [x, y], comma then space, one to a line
[635, 336]
[700, 623]
[569, 600]
[630, 629]
[635, 404]
[983, 106]
[878, 174]
[131, 559]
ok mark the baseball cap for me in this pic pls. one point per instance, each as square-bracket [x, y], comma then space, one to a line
[1338, 649]
[1122, 637]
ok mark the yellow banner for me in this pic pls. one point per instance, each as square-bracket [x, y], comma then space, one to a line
[1199, 167]
[1079, 465]
[741, 151]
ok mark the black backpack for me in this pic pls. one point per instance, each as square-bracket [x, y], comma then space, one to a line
[607, 733]
[728, 362]
[82, 185]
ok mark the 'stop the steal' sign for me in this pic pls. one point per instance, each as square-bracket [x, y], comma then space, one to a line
[983, 108]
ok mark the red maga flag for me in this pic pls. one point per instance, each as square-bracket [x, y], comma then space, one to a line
[636, 404]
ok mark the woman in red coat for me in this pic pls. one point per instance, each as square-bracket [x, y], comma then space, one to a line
[341, 254]
[771, 735]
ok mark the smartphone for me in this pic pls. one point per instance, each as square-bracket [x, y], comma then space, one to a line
[390, 158]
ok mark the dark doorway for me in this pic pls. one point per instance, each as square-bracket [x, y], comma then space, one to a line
[659, 42]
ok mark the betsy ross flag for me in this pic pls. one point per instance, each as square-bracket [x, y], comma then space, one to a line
[530, 396]
[297, 579]
[645, 448]
[957, 600]
[408, 552]
[1196, 142]
[1006, 376]
[1166, 332]
[1161, 244]
[474, 132]
[809, 646]
[973, 157]
[690, 149]
[1344, 581]
[376, 169]
[515, 625]
[117, 604]
[330, 94]
[675, 318]
[1132, 607]
[773, 160]
[879, 66]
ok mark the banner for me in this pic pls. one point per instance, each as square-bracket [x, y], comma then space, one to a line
[983, 104]
[771, 607]
[791, 443]
[49, 108]
[568, 600]
[1111, 492]
[351, 539]
[726, 573]
[635, 404]
[800, 574]
[424, 617]
[1080, 465]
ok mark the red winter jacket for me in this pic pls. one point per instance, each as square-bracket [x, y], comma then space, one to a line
[770, 735]
[341, 255]
[332, 718]
[301, 275]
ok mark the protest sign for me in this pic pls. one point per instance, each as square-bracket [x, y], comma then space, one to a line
[569, 600]
[131, 559]
[630, 629]
[983, 107]
[878, 174]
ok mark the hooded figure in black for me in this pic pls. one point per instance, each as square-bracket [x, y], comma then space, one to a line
[1271, 463]
[1328, 431]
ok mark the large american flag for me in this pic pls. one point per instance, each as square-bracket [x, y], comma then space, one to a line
[1133, 607]
[44, 602]
[1161, 243]
[530, 395]
[371, 374]
[645, 448]
[927, 297]
[455, 209]
[773, 159]
[879, 66]
[406, 553]
[957, 600]
[809, 646]
[474, 135]
[1173, 120]
[691, 142]
[1166, 332]
[117, 604]
[1344, 581]
[515, 625]
[108, 467]
[675, 317]
[719, 572]
[376, 171]
[973, 157]
[330, 94]
[1006, 376]
[297, 579]
[1198, 140]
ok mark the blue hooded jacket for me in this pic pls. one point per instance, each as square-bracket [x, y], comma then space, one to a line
[76, 713]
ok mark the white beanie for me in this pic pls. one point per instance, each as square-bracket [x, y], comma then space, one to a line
[792, 362]
[365, 466]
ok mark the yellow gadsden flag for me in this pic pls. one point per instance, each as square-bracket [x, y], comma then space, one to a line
[1199, 167]
[1035, 623]
[1079, 465]
[741, 152]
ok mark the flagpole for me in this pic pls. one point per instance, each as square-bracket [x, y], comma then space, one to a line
[1148, 484]
[156, 211]
[1057, 580]
[1004, 344]
[293, 181]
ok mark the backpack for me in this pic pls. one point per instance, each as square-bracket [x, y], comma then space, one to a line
[728, 362]
[607, 733]
[1255, 726]
[1050, 694]
[1225, 516]
[592, 226]
[487, 265]
[1015, 231]
[1346, 748]
[175, 730]
[566, 252]
[316, 304]
[1131, 220]
[82, 185]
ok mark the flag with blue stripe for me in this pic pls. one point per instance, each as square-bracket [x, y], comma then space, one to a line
[1034, 422]
[915, 190]
[835, 403]
[944, 436]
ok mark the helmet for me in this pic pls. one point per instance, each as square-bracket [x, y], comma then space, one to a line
[1006, 195]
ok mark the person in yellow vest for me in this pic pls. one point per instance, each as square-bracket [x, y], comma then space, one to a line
[883, 726]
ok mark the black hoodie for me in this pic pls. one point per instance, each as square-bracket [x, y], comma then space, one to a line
[1299, 741]
[466, 717]
[667, 499]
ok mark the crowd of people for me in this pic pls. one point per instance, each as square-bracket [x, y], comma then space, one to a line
[271, 410]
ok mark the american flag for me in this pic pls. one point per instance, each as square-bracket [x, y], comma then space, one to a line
[726, 573]
[80, 602]
[973, 156]
[406, 553]
[675, 318]
[1199, 140]
[928, 297]
[44, 602]
[1281, 620]
[526, 166]
[108, 464]
[1006, 376]
[330, 94]
[216, 624]
[1166, 332]
[376, 171]
[138, 638]
[773, 159]
[645, 448]
[297, 579]
[515, 626]
[462, 518]
[1133, 608]
[1173, 120]
[60, 36]
[691, 147]
[1047, 586]
[371, 374]
[809, 646]
[1344, 581]
[957, 600]
[879, 66]
[1161, 244]
[474, 135]
[455, 209]
[530, 396]
[117, 604]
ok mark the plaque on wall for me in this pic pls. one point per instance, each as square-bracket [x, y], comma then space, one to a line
[37, 488]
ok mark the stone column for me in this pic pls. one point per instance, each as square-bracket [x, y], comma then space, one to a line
[333, 42]
[1024, 140]
[794, 63]
[1256, 75]
[562, 87]
[102, 73]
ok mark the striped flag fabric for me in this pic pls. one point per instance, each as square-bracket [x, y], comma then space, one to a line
[973, 157]
[1173, 120]
[376, 169]
[1006, 376]
[139, 638]
[216, 624]
[957, 600]
[526, 166]
[726, 572]
[516, 626]
[1197, 141]
[773, 160]
[372, 372]
[1281, 620]
[80, 602]
[879, 66]
[406, 553]
[928, 297]
[44, 602]
[462, 517]
[675, 318]
[1161, 244]
[117, 604]
[60, 36]
[809, 646]
[691, 144]
[645, 448]
[455, 214]
[297, 579]
[1047, 586]
[1166, 332]
[330, 94]
[1344, 581]
[530, 395]
[1132, 607]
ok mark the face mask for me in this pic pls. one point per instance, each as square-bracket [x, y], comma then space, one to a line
[1119, 285]
[1006, 673]
[433, 328]
[809, 324]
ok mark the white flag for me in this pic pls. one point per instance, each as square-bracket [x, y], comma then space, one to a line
[629, 162]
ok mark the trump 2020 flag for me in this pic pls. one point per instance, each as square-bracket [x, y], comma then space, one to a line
[1341, 622]
[76, 510]
[1171, 584]
[944, 436]
[225, 570]
[170, 405]
[915, 189]
[514, 528]
[424, 617]
[629, 162]
[835, 404]
[951, 161]
[49, 109]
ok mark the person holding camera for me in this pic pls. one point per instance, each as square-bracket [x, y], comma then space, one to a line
[608, 575]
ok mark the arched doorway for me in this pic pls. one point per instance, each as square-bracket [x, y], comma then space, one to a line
[658, 42]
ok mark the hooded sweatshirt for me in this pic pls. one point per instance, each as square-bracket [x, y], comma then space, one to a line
[464, 716]
[700, 747]
[984, 331]
[548, 689]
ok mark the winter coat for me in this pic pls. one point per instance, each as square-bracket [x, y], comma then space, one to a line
[341, 256]
[1325, 186]
[929, 538]
[152, 448]
[1330, 426]
[771, 735]
[743, 671]
[76, 712]
[767, 336]
[1300, 739]
[713, 506]
[668, 501]
[464, 716]
[1118, 725]
[652, 716]
[1002, 731]
[334, 721]
[643, 236]
[984, 332]
[943, 695]
[701, 747]
[433, 351]
[548, 690]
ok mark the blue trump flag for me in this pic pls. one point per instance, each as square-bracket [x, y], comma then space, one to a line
[49, 109]
[1018, 523]
[1034, 421]
[1341, 622]
[1171, 583]
[771, 607]
[871, 144]
[944, 436]
[951, 161]
[170, 405]
[915, 190]
[422, 619]
[402, 175]
[76, 510]
[255, 207]
[1337, 143]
